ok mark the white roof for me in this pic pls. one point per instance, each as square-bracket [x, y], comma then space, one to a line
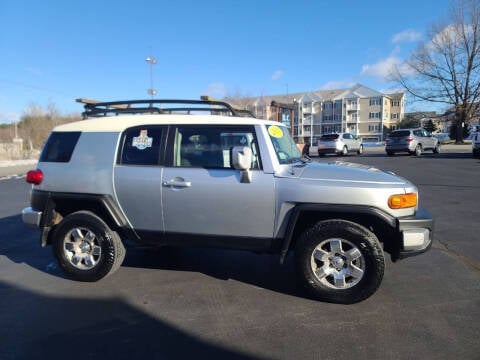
[121, 122]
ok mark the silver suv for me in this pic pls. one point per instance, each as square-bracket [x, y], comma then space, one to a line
[166, 173]
[413, 141]
[340, 144]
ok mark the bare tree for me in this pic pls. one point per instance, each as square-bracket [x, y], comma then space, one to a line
[446, 68]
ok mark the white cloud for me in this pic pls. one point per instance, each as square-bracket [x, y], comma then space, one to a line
[381, 69]
[277, 75]
[335, 85]
[384, 69]
[408, 35]
[216, 90]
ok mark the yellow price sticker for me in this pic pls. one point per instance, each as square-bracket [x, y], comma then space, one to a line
[275, 131]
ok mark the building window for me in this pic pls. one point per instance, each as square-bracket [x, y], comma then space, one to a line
[375, 101]
[374, 115]
[395, 116]
[338, 104]
[373, 128]
[395, 103]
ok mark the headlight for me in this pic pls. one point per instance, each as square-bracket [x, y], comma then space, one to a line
[402, 201]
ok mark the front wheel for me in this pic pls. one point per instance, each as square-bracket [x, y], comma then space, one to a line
[86, 248]
[436, 149]
[340, 261]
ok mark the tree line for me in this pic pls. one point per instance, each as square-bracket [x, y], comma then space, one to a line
[35, 125]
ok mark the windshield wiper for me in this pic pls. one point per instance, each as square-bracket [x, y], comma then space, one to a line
[304, 159]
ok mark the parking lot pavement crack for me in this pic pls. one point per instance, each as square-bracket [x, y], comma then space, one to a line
[469, 262]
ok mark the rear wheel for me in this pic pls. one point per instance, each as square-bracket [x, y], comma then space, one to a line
[418, 150]
[390, 153]
[340, 261]
[86, 248]
[344, 151]
[436, 149]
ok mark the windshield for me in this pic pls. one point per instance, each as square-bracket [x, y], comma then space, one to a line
[286, 150]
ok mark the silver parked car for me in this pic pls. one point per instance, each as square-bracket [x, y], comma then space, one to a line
[413, 141]
[340, 144]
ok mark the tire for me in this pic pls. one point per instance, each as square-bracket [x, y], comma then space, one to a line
[86, 248]
[418, 150]
[339, 261]
[360, 150]
[436, 149]
[390, 153]
[344, 151]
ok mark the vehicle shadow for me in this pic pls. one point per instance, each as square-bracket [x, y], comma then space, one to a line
[261, 270]
[21, 244]
[37, 326]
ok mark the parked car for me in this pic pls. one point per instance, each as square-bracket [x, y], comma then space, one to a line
[413, 141]
[152, 176]
[340, 144]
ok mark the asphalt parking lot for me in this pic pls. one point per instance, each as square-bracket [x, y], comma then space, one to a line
[185, 303]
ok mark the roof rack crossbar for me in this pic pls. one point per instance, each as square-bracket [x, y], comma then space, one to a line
[95, 108]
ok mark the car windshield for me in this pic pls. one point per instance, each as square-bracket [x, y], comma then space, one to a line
[285, 148]
[400, 133]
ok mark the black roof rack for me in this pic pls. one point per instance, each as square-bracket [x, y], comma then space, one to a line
[95, 108]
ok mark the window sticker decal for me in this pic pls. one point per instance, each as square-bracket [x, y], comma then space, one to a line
[275, 131]
[142, 141]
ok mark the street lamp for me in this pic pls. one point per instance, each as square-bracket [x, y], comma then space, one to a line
[152, 61]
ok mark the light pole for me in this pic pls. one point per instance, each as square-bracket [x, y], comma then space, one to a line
[152, 61]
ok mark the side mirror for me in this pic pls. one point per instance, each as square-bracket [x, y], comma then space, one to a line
[242, 160]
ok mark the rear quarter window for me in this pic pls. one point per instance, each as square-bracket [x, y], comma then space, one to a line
[59, 146]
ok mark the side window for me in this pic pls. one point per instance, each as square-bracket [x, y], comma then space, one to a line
[418, 133]
[140, 146]
[209, 146]
[59, 146]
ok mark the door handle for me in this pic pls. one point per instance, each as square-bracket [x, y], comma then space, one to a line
[177, 183]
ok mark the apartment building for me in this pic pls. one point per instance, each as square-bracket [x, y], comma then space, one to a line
[359, 110]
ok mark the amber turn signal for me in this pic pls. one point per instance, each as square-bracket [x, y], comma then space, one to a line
[402, 201]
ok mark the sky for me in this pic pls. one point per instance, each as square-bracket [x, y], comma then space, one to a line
[52, 52]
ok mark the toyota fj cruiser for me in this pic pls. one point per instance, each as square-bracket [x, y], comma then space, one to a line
[199, 173]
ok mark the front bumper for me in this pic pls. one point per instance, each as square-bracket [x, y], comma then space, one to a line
[417, 233]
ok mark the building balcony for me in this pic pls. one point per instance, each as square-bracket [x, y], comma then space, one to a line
[353, 107]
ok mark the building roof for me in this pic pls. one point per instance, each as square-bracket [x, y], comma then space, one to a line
[354, 92]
